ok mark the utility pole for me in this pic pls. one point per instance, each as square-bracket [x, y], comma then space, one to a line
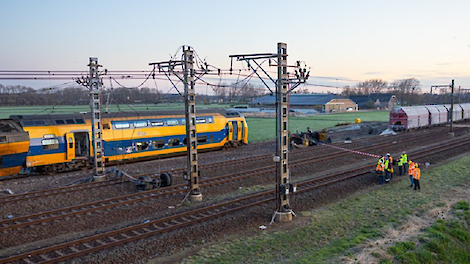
[284, 187]
[95, 105]
[451, 133]
[191, 136]
[284, 212]
[187, 64]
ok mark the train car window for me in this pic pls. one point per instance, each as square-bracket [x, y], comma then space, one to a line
[173, 142]
[28, 123]
[183, 122]
[210, 119]
[1, 160]
[3, 139]
[200, 120]
[158, 144]
[172, 122]
[59, 122]
[121, 125]
[39, 122]
[157, 123]
[185, 141]
[70, 121]
[50, 143]
[211, 139]
[80, 121]
[106, 126]
[201, 139]
[144, 145]
[140, 123]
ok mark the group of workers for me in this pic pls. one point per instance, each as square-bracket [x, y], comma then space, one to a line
[384, 169]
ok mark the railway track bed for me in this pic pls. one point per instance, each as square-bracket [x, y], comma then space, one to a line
[186, 220]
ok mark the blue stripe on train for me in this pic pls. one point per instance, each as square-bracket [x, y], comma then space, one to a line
[119, 147]
[35, 147]
[13, 160]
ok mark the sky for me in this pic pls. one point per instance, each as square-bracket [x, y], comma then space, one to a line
[342, 42]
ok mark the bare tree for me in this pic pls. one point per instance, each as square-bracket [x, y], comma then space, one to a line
[371, 86]
[406, 90]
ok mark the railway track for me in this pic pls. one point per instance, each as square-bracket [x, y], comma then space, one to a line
[179, 171]
[109, 239]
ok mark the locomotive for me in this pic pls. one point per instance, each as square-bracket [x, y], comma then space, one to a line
[411, 117]
[62, 142]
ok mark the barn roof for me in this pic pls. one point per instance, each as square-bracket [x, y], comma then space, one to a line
[299, 99]
[361, 99]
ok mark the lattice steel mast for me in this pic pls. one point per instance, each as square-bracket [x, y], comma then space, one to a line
[187, 63]
[283, 185]
[95, 105]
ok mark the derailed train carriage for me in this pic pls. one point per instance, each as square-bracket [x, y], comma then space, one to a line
[62, 142]
[412, 117]
[14, 144]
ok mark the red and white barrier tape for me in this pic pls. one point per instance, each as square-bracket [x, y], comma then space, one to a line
[353, 151]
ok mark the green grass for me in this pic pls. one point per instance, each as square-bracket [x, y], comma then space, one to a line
[335, 230]
[262, 129]
[444, 242]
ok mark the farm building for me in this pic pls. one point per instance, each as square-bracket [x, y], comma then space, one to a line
[325, 103]
[375, 100]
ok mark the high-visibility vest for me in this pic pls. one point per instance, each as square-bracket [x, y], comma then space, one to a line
[411, 169]
[400, 162]
[381, 160]
[389, 164]
[416, 173]
[404, 157]
[380, 167]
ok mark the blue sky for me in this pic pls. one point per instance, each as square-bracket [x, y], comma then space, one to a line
[353, 40]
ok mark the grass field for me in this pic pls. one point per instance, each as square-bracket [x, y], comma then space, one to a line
[260, 129]
[390, 224]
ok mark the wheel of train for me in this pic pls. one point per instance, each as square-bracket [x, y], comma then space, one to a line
[166, 179]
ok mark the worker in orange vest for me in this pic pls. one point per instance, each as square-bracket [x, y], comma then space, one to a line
[379, 170]
[411, 171]
[416, 176]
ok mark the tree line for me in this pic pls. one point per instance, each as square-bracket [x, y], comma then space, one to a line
[407, 92]
[14, 95]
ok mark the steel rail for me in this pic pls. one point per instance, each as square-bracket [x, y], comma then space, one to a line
[42, 217]
[108, 239]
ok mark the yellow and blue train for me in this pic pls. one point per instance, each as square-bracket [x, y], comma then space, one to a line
[14, 145]
[62, 142]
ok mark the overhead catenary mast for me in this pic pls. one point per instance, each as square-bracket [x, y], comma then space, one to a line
[284, 187]
[187, 64]
[95, 105]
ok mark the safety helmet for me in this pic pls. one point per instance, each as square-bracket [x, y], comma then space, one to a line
[416, 165]
[403, 152]
[388, 154]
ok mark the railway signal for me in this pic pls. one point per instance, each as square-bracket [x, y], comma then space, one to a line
[283, 185]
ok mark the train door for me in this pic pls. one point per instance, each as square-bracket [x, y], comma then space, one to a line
[230, 131]
[235, 130]
[70, 146]
[82, 144]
